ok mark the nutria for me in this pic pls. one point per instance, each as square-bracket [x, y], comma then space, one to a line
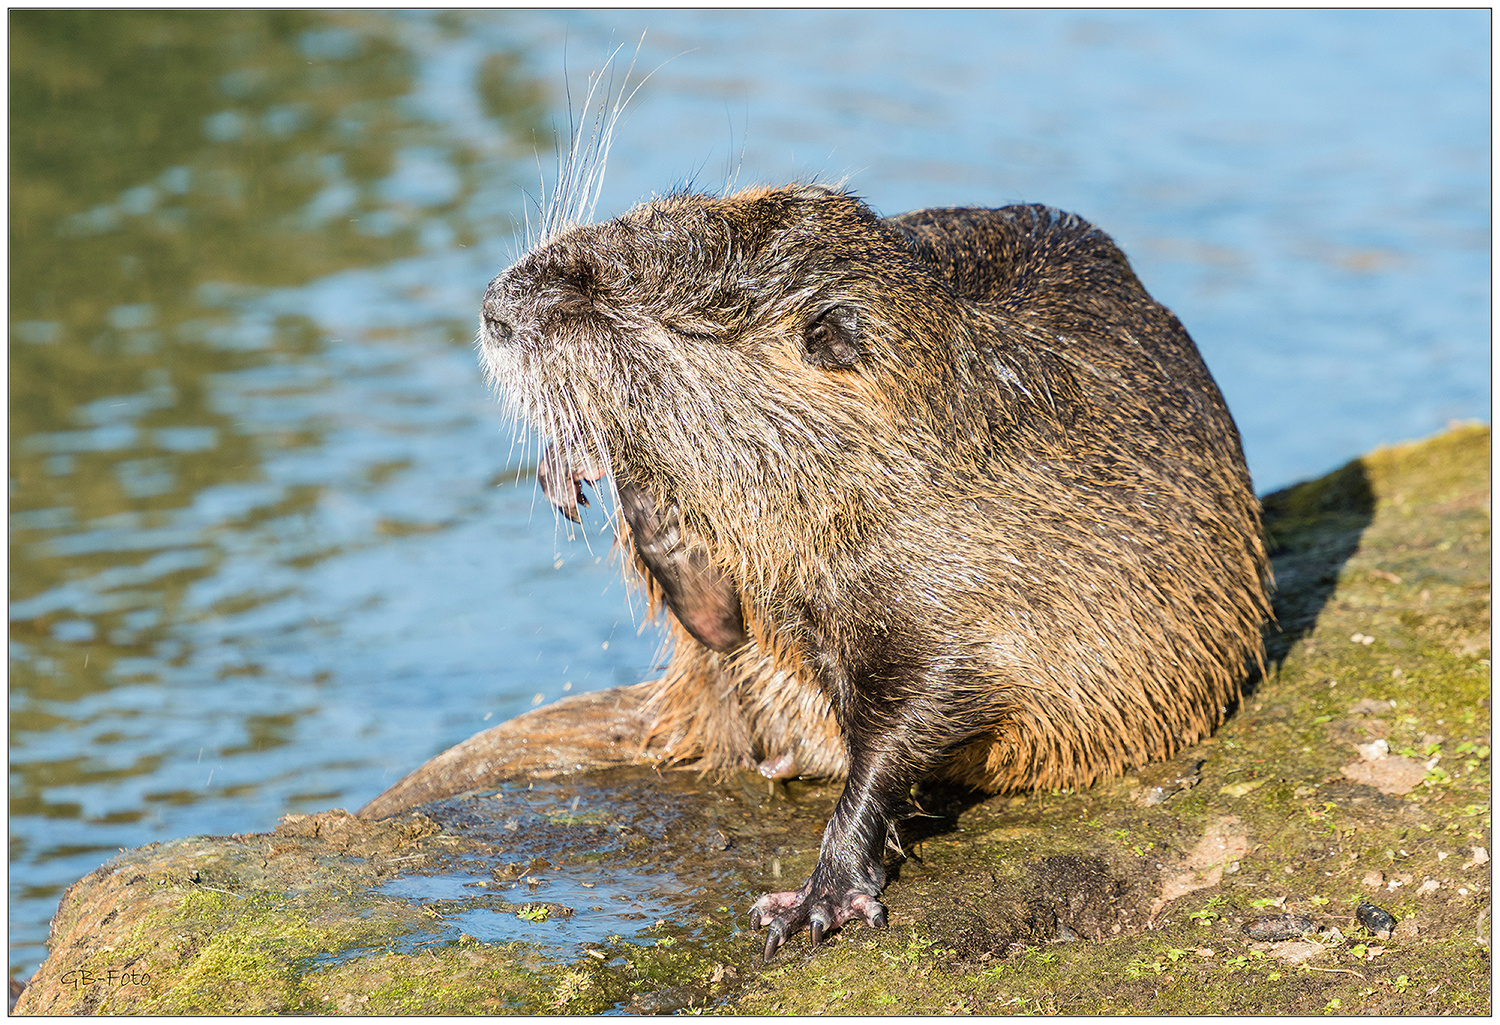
[942, 494]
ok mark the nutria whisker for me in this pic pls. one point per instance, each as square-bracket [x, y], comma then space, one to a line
[580, 174]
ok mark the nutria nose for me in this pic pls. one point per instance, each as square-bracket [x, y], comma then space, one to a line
[499, 320]
[500, 331]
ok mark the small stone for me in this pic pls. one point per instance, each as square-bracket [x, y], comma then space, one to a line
[297, 825]
[1241, 789]
[1428, 886]
[1395, 775]
[1296, 951]
[1373, 880]
[1375, 919]
[1279, 927]
[1479, 857]
[1408, 929]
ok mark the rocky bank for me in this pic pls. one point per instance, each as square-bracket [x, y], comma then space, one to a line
[1327, 851]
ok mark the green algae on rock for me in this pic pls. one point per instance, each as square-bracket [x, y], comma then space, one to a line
[1134, 896]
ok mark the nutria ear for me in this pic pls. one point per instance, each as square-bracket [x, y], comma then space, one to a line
[831, 339]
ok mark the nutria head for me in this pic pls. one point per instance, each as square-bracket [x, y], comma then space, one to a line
[779, 364]
[750, 359]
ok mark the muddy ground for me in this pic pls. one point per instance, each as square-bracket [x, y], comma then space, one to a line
[1327, 851]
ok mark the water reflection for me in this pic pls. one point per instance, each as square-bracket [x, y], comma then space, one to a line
[197, 462]
[162, 163]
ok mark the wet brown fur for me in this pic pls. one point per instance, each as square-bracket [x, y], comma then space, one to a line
[1007, 536]
[1117, 602]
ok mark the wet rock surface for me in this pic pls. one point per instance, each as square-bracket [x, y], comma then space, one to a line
[1238, 878]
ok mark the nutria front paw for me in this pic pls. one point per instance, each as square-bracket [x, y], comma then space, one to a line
[788, 912]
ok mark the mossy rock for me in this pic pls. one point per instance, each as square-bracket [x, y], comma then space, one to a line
[1230, 880]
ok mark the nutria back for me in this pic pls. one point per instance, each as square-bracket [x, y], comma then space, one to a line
[945, 493]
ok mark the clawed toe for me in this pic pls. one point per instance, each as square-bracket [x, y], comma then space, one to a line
[786, 914]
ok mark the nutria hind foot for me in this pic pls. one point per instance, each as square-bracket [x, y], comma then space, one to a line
[824, 903]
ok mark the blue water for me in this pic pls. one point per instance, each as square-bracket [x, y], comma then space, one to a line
[271, 542]
[604, 903]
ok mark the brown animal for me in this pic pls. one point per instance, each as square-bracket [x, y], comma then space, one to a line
[941, 494]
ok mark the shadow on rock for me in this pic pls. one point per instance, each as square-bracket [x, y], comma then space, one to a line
[1058, 899]
[1313, 528]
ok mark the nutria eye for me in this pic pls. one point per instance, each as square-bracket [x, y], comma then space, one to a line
[831, 339]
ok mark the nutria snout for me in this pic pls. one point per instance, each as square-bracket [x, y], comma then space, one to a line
[940, 494]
